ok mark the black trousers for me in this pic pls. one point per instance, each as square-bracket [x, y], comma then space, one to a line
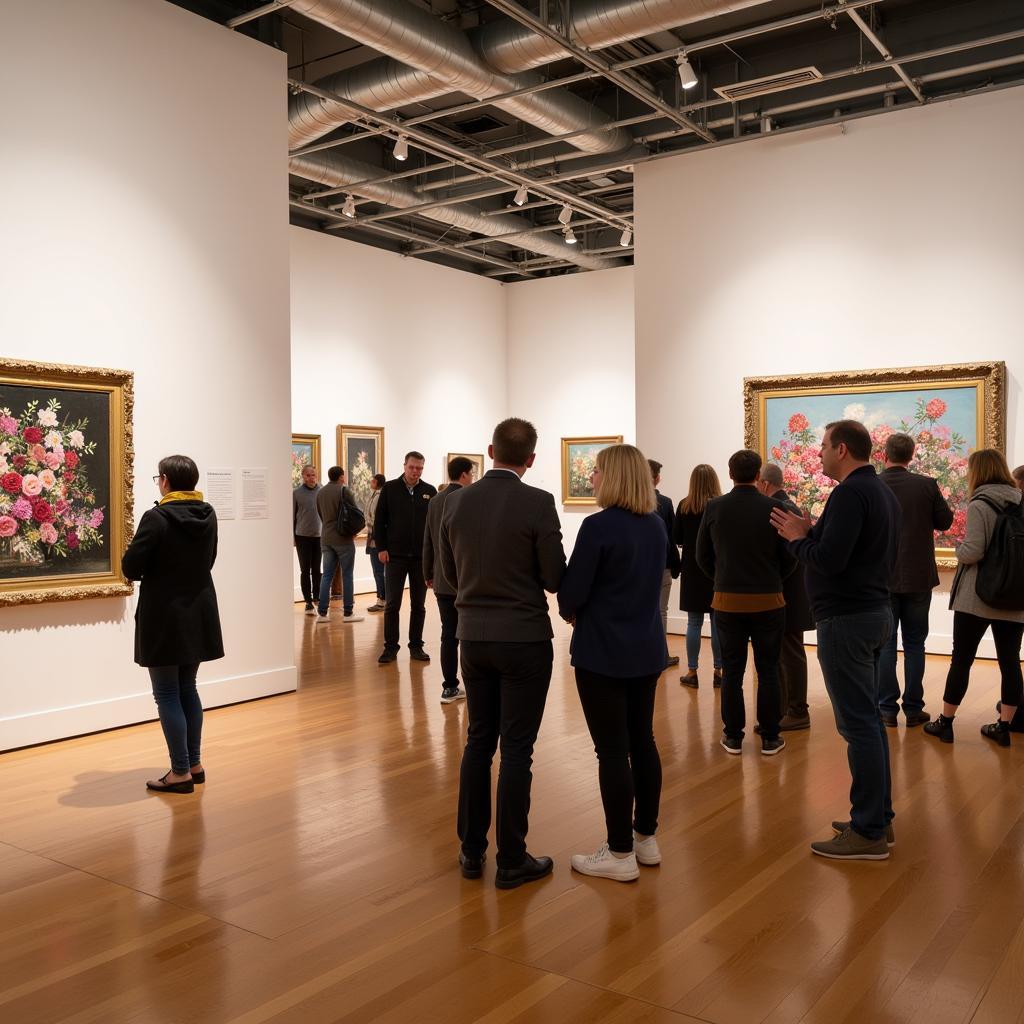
[620, 717]
[793, 675]
[395, 574]
[506, 688]
[967, 633]
[764, 631]
[308, 550]
[449, 640]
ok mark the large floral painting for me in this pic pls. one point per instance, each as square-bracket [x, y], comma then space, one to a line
[65, 481]
[305, 452]
[361, 455]
[949, 411]
[579, 455]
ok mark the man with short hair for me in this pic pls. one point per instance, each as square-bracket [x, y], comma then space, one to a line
[924, 510]
[739, 550]
[339, 550]
[501, 549]
[793, 659]
[666, 510]
[460, 474]
[849, 555]
[306, 529]
[398, 529]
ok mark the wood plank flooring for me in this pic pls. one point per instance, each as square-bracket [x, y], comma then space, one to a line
[314, 879]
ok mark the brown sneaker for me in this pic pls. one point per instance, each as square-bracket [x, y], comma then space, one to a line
[839, 827]
[690, 680]
[789, 723]
[849, 845]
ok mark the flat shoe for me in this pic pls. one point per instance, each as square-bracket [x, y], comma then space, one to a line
[171, 787]
[199, 777]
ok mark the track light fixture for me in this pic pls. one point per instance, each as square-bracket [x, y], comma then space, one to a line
[521, 196]
[570, 236]
[687, 76]
[565, 214]
[627, 237]
[402, 148]
[349, 207]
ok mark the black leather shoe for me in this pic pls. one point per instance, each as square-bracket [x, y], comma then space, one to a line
[532, 869]
[387, 657]
[889, 721]
[472, 867]
[917, 718]
[418, 654]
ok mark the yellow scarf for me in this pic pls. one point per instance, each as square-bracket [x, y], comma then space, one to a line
[181, 496]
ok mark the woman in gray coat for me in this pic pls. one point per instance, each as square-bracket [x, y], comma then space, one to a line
[988, 480]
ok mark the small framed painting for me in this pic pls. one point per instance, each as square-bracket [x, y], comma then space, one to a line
[65, 481]
[578, 457]
[305, 452]
[477, 460]
[361, 455]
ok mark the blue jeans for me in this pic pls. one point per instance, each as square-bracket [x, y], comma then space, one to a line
[849, 651]
[694, 625]
[378, 572]
[181, 713]
[910, 614]
[345, 557]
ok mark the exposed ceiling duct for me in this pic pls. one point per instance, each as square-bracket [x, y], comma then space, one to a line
[335, 170]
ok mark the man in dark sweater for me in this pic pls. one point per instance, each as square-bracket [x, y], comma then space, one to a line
[739, 550]
[849, 555]
[925, 510]
[398, 528]
[666, 509]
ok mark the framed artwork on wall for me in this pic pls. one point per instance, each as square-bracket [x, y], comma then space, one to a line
[477, 460]
[305, 452]
[66, 481]
[361, 455]
[949, 411]
[578, 457]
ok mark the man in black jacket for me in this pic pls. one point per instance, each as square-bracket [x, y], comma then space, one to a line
[666, 509]
[740, 551]
[925, 510]
[398, 529]
[501, 549]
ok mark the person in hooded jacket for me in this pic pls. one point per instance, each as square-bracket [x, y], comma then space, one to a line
[177, 625]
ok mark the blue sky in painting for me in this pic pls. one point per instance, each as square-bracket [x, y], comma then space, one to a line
[873, 408]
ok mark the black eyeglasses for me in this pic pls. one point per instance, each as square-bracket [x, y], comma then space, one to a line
[158, 478]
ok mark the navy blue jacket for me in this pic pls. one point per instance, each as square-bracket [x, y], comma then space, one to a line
[613, 588]
[851, 550]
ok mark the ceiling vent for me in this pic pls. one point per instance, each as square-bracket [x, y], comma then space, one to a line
[478, 125]
[773, 83]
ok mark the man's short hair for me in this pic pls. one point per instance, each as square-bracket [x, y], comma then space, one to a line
[1018, 473]
[180, 472]
[854, 435]
[459, 465]
[335, 473]
[413, 455]
[899, 449]
[771, 474]
[744, 466]
[655, 467]
[514, 441]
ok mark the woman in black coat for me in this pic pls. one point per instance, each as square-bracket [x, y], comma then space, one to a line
[177, 624]
[696, 590]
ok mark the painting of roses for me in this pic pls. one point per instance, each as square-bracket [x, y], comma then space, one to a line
[63, 480]
[947, 418]
[305, 452]
[361, 454]
[579, 455]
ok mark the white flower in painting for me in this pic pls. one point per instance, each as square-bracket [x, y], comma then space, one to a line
[855, 411]
[47, 418]
[4, 467]
[76, 439]
[53, 439]
[5, 448]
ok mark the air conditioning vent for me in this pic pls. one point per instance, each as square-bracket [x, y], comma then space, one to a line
[478, 125]
[772, 83]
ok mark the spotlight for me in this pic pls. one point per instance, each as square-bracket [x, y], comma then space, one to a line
[521, 195]
[402, 148]
[349, 209]
[687, 76]
[570, 236]
[627, 237]
[565, 215]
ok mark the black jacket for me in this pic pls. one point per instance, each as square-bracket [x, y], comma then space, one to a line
[401, 518]
[738, 546]
[176, 621]
[501, 548]
[799, 617]
[432, 570]
[925, 510]
[672, 562]
[696, 591]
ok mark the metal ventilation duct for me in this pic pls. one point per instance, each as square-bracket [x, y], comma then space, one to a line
[335, 170]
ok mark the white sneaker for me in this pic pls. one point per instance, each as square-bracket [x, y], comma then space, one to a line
[310, 610]
[646, 850]
[352, 618]
[322, 620]
[604, 864]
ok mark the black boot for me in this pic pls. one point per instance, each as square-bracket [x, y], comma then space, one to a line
[997, 731]
[942, 728]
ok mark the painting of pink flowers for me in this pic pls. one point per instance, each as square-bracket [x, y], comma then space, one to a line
[579, 455]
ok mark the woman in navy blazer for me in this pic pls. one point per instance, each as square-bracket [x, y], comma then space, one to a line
[611, 593]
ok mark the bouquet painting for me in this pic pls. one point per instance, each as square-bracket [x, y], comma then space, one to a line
[579, 456]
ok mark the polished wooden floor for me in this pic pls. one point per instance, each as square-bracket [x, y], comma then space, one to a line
[314, 880]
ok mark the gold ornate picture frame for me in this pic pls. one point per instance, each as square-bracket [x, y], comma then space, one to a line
[578, 457]
[305, 452]
[66, 481]
[949, 410]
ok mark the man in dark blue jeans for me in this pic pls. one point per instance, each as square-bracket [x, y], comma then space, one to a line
[849, 555]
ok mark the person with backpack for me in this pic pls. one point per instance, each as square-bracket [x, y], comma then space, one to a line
[987, 593]
[341, 520]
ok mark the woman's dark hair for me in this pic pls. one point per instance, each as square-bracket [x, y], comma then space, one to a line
[181, 473]
[380, 478]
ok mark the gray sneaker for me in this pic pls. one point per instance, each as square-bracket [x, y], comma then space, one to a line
[839, 827]
[849, 845]
[449, 695]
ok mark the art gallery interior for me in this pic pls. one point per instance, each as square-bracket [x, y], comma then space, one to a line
[428, 215]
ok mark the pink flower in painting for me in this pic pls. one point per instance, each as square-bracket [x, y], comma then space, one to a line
[8, 425]
[52, 460]
[791, 475]
[47, 533]
[881, 433]
[32, 435]
[96, 519]
[935, 409]
[61, 507]
[42, 513]
[47, 479]
[959, 527]
[11, 482]
[22, 509]
[940, 430]
[37, 453]
[18, 462]
[798, 422]
[8, 526]
[925, 436]
[72, 539]
[31, 485]
[776, 452]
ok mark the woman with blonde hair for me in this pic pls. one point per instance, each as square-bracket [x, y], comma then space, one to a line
[611, 593]
[696, 591]
[992, 491]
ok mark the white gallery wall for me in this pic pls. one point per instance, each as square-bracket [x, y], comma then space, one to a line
[894, 241]
[385, 341]
[145, 228]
